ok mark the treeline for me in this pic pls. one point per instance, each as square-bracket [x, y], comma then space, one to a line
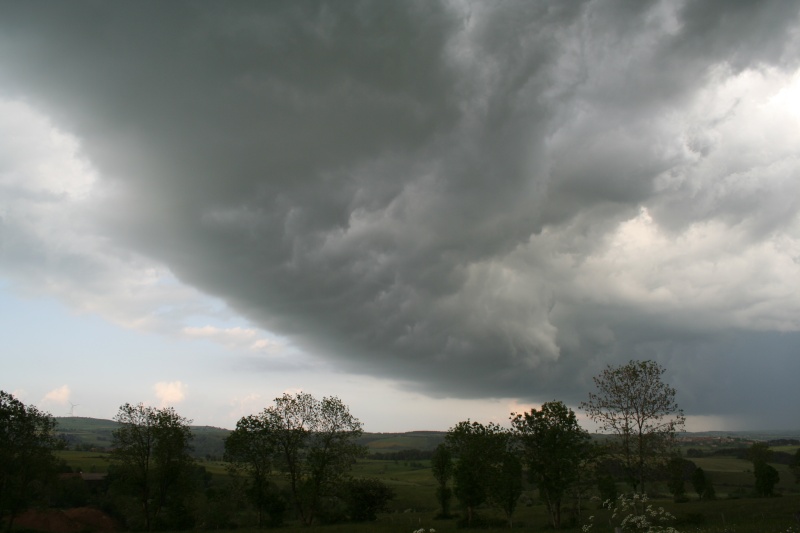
[290, 461]
[488, 464]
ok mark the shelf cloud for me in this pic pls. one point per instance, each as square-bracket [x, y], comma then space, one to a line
[473, 199]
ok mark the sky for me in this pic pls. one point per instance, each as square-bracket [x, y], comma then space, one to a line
[433, 210]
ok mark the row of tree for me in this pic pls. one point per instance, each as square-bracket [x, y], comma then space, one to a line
[308, 443]
[486, 462]
[311, 444]
[637, 413]
[154, 483]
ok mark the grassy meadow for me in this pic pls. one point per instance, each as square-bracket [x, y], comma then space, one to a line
[415, 507]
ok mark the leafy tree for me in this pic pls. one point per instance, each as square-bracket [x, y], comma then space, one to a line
[554, 446]
[27, 442]
[702, 485]
[700, 482]
[676, 477]
[794, 466]
[505, 483]
[760, 452]
[590, 470]
[251, 448]
[315, 443]
[480, 452]
[365, 498]
[766, 478]
[633, 403]
[442, 467]
[152, 461]
[466, 440]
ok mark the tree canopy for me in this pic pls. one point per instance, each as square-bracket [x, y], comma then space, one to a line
[27, 442]
[553, 448]
[152, 459]
[312, 441]
[485, 468]
[251, 448]
[634, 404]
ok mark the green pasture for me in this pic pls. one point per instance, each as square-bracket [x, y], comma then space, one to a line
[415, 505]
[88, 462]
[732, 476]
[786, 449]
[757, 515]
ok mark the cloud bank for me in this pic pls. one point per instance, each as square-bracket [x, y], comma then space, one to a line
[473, 199]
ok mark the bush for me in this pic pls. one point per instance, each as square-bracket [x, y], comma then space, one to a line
[364, 498]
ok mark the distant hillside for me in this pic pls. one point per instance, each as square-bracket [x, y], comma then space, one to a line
[395, 442]
[85, 433]
[209, 442]
[94, 433]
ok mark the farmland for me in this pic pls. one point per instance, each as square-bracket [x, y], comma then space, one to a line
[414, 505]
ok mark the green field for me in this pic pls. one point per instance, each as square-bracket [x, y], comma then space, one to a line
[415, 505]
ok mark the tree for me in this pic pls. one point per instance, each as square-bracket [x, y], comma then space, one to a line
[553, 447]
[315, 446]
[442, 467]
[27, 442]
[766, 478]
[151, 459]
[365, 498]
[702, 485]
[634, 404]
[676, 477]
[760, 452]
[251, 448]
[481, 471]
[589, 473]
[505, 482]
[794, 466]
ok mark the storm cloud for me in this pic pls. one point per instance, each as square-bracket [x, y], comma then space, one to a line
[476, 199]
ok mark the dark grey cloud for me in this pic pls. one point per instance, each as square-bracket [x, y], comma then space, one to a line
[439, 192]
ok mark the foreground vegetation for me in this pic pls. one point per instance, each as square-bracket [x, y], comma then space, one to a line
[415, 506]
[301, 463]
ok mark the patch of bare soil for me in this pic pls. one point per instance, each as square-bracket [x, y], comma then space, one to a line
[77, 520]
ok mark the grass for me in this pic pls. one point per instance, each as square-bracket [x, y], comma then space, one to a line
[757, 515]
[765, 515]
[415, 504]
[89, 462]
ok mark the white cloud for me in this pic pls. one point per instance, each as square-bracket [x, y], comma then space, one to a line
[249, 339]
[169, 393]
[59, 396]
